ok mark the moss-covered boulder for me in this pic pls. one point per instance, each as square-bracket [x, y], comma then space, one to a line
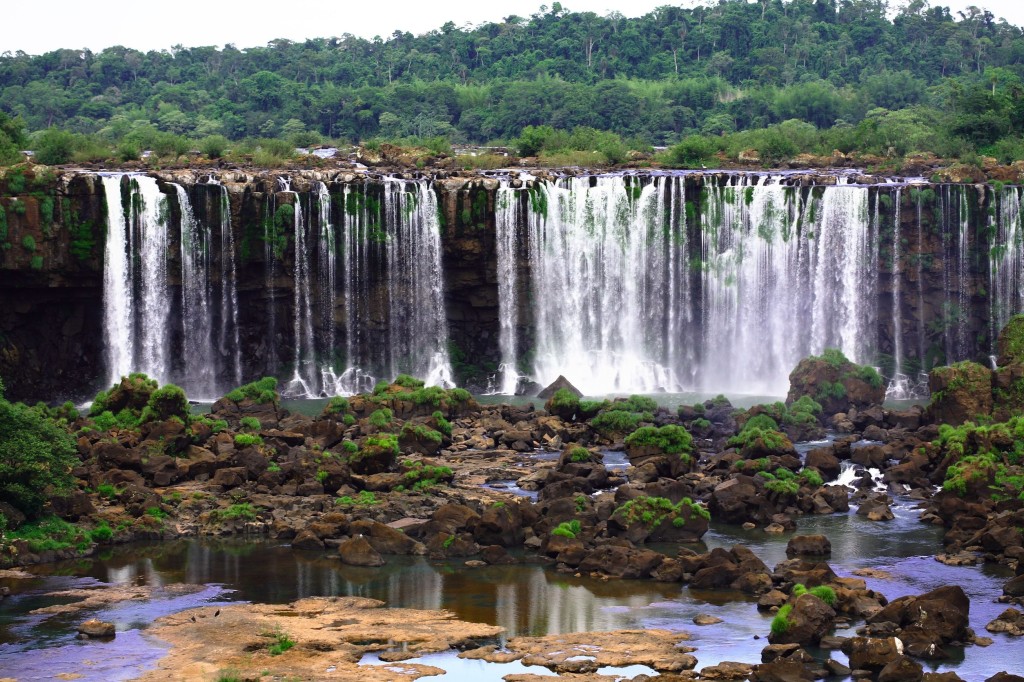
[835, 382]
[658, 519]
[960, 392]
[1008, 379]
[669, 449]
[1010, 344]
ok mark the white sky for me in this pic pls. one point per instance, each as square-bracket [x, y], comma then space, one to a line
[41, 26]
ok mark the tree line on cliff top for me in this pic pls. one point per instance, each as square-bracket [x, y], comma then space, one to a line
[846, 74]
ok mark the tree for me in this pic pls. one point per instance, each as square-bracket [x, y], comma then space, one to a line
[36, 457]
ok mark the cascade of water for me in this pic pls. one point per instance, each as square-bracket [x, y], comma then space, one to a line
[417, 322]
[901, 386]
[508, 216]
[356, 287]
[327, 286]
[199, 373]
[963, 261]
[118, 298]
[1006, 267]
[149, 221]
[305, 372]
[137, 300]
[229, 334]
[922, 342]
[270, 260]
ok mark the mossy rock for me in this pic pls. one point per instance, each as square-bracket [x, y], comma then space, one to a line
[1008, 392]
[1010, 344]
[835, 382]
[960, 392]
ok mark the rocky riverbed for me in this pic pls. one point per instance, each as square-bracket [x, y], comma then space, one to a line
[411, 471]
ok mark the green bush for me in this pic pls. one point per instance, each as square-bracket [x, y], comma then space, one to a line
[762, 422]
[670, 439]
[28, 242]
[262, 391]
[101, 533]
[406, 381]
[825, 594]
[250, 423]
[618, 421]
[381, 418]
[36, 458]
[781, 622]
[579, 454]
[50, 533]
[565, 401]
[338, 405]
[247, 440]
[443, 425]
[165, 403]
[693, 151]
[567, 529]
[53, 147]
[214, 146]
[651, 510]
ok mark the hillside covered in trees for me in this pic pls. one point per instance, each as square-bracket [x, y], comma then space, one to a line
[840, 74]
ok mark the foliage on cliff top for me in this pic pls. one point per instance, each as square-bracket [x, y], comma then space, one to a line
[842, 75]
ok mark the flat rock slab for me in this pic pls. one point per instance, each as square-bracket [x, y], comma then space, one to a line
[585, 652]
[330, 635]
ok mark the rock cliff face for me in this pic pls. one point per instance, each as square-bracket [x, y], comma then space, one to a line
[298, 273]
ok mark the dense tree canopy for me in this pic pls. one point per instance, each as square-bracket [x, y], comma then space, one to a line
[725, 66]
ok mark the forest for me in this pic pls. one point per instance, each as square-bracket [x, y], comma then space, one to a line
[781, 77]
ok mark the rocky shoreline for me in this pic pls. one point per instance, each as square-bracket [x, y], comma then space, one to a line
[402, 471]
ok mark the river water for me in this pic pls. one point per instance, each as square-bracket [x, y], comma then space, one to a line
[525, 599]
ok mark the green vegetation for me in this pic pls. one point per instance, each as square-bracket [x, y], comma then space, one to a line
[382, 418]
[565, 403]
[761, 422]
[242, 511]
[670, 439]
[421, 433]
[781, 622]
[712, 79]
[987, 459]
[338, 405]
[50, 533]
[567, 529]
[579, 454]
[365, 498]
[420, 476]
[406, 381]
[651, 511]
[769, 439]
[166, 403]
[382, 442]
[247, 440]
[443, 425]
[250, 423]
[36, 457]
[262, 391]
[281, 644]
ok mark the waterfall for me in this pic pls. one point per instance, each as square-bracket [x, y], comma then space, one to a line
[229, 334]
[305, 372]
[199, 372]
[136, 297]
[417, 324]
[327, 285]
[783, 272]
[507, 220]
[355, 272]
[118, 297]
[1006, 258]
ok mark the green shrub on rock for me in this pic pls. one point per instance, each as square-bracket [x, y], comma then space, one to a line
[669, 439]
[263, 391]
[166, 402]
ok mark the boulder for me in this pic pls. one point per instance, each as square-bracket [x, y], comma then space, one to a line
[357, 551]
[500, 524]
[621, 562]
[809, 620]
[960, 392]
[825, 461]
[385, 539]
[836, 383]
[554, 386]
[928, 621]
[1014, 587]
[1010, 621]
[808, 545]
[307, 540]
[901, 669]
[871, 653]
[97, 629]
[782, 670]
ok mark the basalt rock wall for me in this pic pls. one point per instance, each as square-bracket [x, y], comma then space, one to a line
[945, 270]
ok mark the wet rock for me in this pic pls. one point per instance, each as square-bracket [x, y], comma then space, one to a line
[1005, 677]
[358, 551]
[782, 671]
[809, 621]
[928, 621]
[74, 506]
[554, 386]
[808, 545]
[500, 524]
[706, 619]
[621, 562]
[870, 653]
[385, 539]
[818, 376]
[1014, 587]
[307, 540]
[825, 461]
[876, 508]
[727, 670]
[901, 669]
[1010, 621]
[960, 393]
[96, 629]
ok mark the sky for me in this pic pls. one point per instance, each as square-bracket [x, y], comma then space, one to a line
[38, 27]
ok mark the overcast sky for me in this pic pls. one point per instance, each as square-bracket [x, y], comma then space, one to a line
[38, 27]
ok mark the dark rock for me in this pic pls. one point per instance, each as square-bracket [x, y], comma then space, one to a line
[1005, 677]
[358, 552]
[782, 671]
[560, 382]
[307, 540]
[1014, 587]
[621, 562]
[808, 545]
[385, 539]
[929, 620]
[500, 524]
[960, 393]
[98, 629]
[231, 477]
[809, 621]
[72, 507]
[901, 669]
[1010, 621]
[869, 653]
[825, 461]
[818, 377]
